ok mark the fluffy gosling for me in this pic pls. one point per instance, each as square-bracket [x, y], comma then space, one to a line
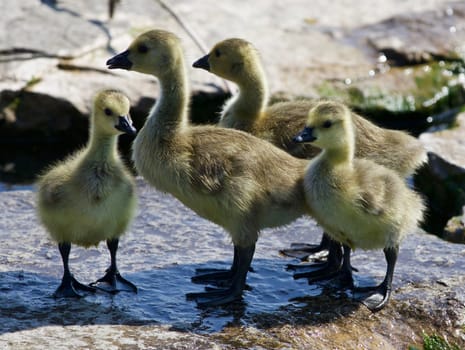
[90, 196]
[358, 202]
[229, 177]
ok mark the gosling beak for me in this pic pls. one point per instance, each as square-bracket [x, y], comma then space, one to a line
[202, 63]
[121, 60]
[125, 125]
[306, 135]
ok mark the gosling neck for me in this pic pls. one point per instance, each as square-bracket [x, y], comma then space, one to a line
[169, 114]
[250, 103]
[338, 156]
[102, 148]
[342, 151]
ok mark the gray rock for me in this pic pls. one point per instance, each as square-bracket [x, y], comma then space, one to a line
[449, 143]
[413, 38]
[161, 251]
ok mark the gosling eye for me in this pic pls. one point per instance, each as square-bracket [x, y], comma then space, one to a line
[217, 53]
[108, 111]
[142, 48]
[327, 124]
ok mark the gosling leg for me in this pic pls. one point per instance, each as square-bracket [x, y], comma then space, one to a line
[375, 298]
[112, 276]
[303, 251]
[69, 285]
[219, 296]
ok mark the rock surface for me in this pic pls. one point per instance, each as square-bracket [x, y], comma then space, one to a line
[160, 253]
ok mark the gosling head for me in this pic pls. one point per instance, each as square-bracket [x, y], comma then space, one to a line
[328, 126]
[111, 113]
[229, 59]
[155, 52]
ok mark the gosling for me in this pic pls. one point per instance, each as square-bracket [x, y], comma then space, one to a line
[358, 202]
[90, 196]
[229, 177]
[238, 60]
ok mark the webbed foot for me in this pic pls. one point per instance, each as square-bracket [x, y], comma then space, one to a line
[215, 296]
[69, 288]
[220, 278]
[113, 283]
[374, 298]
[303, 251]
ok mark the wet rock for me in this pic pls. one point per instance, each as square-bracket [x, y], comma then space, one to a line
[161, 251]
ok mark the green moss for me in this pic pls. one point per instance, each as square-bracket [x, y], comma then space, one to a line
[422, 95]
[435, 342]
[33, 81]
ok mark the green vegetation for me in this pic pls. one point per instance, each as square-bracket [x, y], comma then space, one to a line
[33, 81]
[435, 342]
[414, 97]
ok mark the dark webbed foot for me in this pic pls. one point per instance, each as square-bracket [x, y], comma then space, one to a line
[303, 251]
[215, 297]
[374, 298]
[321, 271]
[236, 275]
[69, 288]
[220, 278]
[318, 272]
[113, 283]
[337, 267]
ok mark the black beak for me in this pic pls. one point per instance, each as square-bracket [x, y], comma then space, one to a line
[125, 125]
[202, 63]
[306, 135]
[121, 60]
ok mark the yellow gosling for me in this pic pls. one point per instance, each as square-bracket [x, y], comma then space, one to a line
[238, 60]
[90, 196]
[359, 203]
[229, 177]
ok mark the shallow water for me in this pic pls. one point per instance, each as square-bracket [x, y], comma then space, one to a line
[160, 253]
